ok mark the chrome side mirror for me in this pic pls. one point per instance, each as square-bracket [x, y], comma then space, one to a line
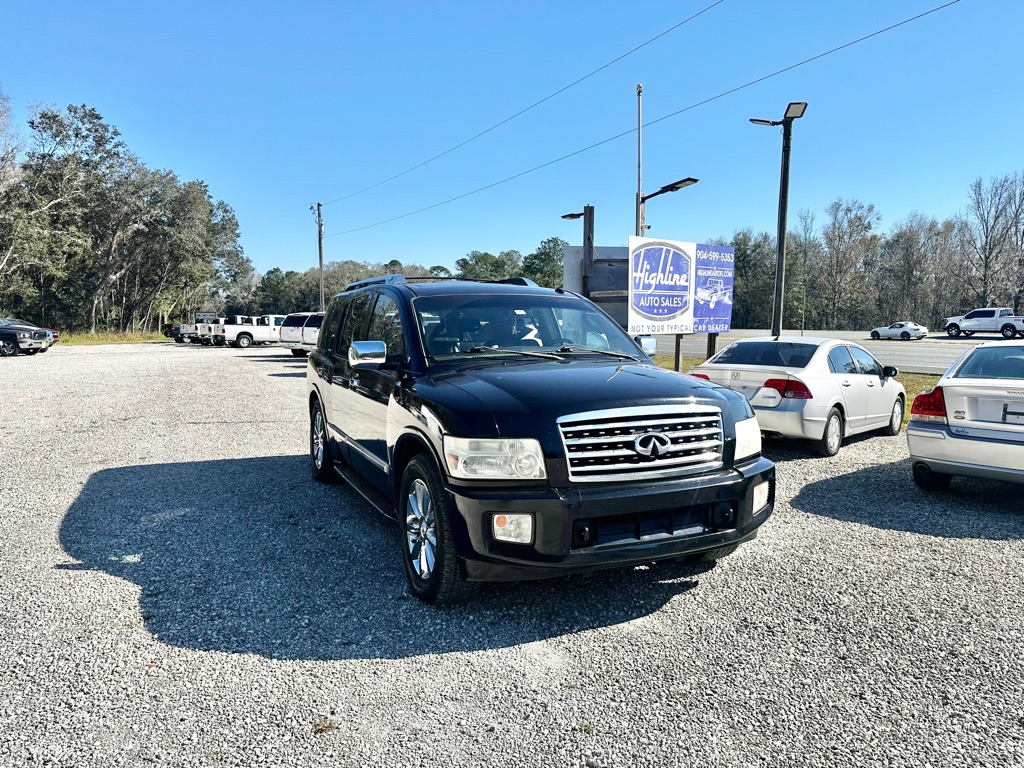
[648, 344]
[367, 354]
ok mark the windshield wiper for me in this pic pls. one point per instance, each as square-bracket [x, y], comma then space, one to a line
[577, 348]
[546, 355]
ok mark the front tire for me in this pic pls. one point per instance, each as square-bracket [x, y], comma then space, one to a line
[931, 481]
[299, 352]
[895, 419]
[428, 549]
[832, 438]
[713, 555]
[9, 348]
[953, 330]
[321, 463]
[876, 335]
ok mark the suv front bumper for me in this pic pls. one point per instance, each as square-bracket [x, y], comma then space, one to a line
[594, 525]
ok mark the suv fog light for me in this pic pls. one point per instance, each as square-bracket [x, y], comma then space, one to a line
[760, 496]
[514, 528]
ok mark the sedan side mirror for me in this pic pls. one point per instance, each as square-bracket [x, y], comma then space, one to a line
[889, 372]
[367, 354]
[648, 344]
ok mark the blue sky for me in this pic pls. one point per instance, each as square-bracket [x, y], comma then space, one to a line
[277, 106]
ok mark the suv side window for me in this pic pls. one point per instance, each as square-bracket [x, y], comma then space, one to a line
[839, 361]
[332, 324]
[386, 326]
[866, 362]
[355, 322]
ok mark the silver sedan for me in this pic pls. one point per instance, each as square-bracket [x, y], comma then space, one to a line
[811, 388]
[902, 330]
[971, 424]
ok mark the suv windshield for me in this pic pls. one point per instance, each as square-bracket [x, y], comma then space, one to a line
[455, 325]
[784, 353]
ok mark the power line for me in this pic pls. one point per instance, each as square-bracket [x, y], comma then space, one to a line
[652, 122]
[527, 109]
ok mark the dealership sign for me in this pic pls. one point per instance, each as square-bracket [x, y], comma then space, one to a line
[677, 287]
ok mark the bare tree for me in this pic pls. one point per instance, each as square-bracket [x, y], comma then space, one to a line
[986, 235]
[849, 245]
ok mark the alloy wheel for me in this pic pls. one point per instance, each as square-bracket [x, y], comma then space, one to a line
[421, 529]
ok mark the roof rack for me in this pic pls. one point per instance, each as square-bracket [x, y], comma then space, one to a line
[393, 279]
[380, 280]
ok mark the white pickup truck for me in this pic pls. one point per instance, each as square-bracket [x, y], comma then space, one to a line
[988, 320]
[246, 331]
[300, 332]
[200, 329]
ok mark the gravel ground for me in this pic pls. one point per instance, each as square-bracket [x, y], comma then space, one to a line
[177, 591]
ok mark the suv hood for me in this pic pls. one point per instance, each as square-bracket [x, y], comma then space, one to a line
[533, 395]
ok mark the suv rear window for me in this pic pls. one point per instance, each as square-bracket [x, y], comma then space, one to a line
[785, 353]
[294, 321]
[314, 321]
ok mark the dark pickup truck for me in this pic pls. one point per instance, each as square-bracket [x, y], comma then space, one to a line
[516, 432]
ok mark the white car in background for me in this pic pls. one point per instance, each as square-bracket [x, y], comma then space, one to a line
[971, 424]
[811, 388]
[300, 332]
[903, 330]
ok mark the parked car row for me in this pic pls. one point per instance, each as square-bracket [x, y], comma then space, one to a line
[516, 432]
[20, 337]
[235, 331]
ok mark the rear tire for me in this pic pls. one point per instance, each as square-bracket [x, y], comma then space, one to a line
[931, 481]
[428, 548]
[1008, 331]
[895, 418]
[244, 341]
[832, 438]
[904, 335]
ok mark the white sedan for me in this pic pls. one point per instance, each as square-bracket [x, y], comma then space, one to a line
[811, 388]
[971, 424]
[902, 330]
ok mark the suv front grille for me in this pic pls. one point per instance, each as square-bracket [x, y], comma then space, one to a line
[39, 335]
[640, 443]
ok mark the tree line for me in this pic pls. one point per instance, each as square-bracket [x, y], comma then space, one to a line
[92, 239]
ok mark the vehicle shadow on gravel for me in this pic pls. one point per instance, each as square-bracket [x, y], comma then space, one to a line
[884, 496]
[253, 556]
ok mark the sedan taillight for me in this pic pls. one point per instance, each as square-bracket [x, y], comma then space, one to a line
[791, 388]
[701, 376]
[929, 406]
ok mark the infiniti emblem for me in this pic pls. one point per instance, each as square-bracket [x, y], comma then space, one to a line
[652, 444]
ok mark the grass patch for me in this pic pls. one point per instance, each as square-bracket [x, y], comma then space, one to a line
[81, 338]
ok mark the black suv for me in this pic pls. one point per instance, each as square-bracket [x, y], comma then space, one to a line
[517, 432]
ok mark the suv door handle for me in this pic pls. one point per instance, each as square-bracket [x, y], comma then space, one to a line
[846, 382]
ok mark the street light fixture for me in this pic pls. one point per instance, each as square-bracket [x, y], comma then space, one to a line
[675, 186]
[795, 110]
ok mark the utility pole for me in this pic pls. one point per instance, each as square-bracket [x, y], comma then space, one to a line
[320, 247]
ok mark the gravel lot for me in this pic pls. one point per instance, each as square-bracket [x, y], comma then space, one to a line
[177, 591]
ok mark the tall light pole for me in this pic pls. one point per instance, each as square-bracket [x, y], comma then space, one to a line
[795, 110]
[588, 243]
[639, 161]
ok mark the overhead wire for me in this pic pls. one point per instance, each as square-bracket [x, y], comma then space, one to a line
[644, 125]
[526, 109]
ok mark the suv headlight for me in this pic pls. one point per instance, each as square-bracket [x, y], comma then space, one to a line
[494, 459]
[23, 334]
[748, 438]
